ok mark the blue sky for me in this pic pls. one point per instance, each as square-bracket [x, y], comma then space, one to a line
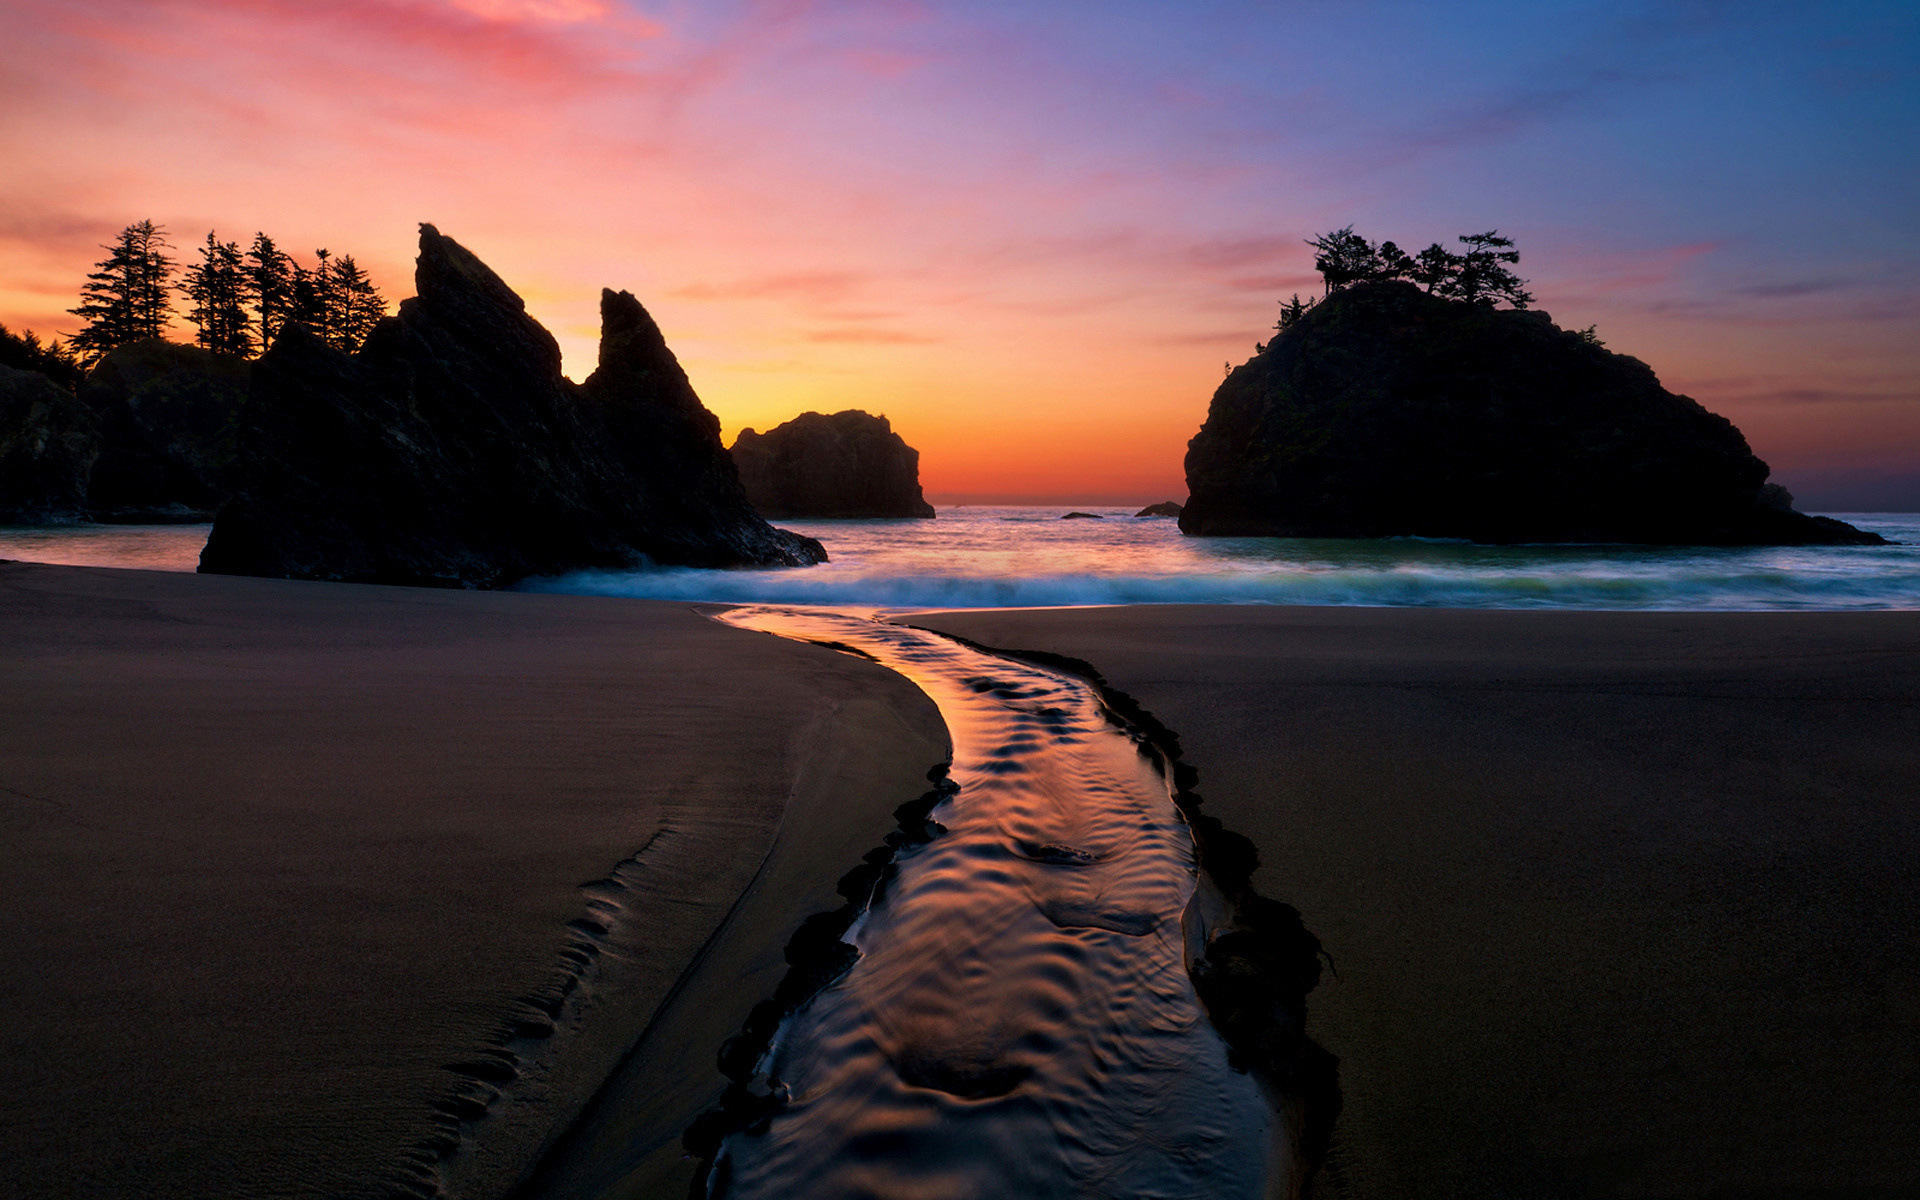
[1031, 233]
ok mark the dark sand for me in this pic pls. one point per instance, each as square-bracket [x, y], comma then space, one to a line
[273, 854]
[1623, 904]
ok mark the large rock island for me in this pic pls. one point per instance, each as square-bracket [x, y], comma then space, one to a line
[850, 464]
[451, 450]
[1385, 411]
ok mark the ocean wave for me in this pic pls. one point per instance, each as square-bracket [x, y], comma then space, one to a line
[1662, 588]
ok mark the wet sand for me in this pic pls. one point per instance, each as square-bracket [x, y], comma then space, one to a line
[1623, 904]
[276, 854]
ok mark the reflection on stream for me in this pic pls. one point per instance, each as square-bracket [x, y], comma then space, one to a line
[1020, 1021]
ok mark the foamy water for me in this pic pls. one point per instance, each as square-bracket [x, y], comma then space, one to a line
[1027, 557]
[1021, 1021]
[1019, 557]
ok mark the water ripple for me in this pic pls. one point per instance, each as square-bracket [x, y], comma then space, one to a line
[1021, 1021]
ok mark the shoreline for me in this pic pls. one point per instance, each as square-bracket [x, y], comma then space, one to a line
[1025, 557]
[283, 857]
[1598, 884]
[1620, 902]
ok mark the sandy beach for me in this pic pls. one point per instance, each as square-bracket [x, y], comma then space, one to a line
[278, 854]
[1621, 904]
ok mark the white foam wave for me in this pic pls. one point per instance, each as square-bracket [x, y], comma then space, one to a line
[1662, 586]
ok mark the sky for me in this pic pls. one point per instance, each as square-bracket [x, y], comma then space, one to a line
[1031, 234]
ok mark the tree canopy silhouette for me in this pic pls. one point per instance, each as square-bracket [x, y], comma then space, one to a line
[217, 286]
[129, 294]
[24, 351]
[269, 274]
[336, 300]
[239, 302]
[358, 305]
[1479, 276]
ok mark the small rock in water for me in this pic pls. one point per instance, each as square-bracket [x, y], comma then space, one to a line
[1080, 516]
[1166, 508]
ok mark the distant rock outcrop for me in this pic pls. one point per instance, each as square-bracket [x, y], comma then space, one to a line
[1385, 411]
[168, 417]
[451, 451]
[1077, 515]
[850, 464]
[1166, 508]
[48, 443]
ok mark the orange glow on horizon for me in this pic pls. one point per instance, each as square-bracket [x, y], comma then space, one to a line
[823, 210]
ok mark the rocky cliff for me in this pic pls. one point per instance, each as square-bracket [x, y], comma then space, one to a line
[149, 437]
[168, 417]
[1384, 411]
[451, 451]
[48, 443]
[850, 464]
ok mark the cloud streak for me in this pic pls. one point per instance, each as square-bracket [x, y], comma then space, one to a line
[997, 222]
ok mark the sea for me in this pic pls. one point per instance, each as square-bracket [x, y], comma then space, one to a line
[1019, 557]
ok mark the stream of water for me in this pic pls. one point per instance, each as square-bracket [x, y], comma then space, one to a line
[1020, 1021]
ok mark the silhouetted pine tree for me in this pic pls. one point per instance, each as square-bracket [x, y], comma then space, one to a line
[316, 303]
[1391, 262]
[1434, 267]
[217, 285]
[25, 351]
[1483, 277]
[269, 273]
[1480, 276]
[1292, 310]
[303, 305]
[359, 304]
[129, 296]
[1344, 258]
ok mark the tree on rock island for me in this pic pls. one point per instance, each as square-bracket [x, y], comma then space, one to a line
[358, 305]
[1480, 276]
[336, 300]
[269, 271]
[217, 286]
[1414, 400]
[240, 302]
[129, 295]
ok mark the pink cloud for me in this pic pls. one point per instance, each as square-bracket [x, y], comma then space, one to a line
[883, 64]
[285, 35]
[791, 187]
[805, 285]
[852, 335]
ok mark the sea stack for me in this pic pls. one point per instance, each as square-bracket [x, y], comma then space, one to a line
[849, 464]
[451, 451]
[1384, 411]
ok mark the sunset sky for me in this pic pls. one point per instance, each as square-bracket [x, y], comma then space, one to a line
[1029, 233]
